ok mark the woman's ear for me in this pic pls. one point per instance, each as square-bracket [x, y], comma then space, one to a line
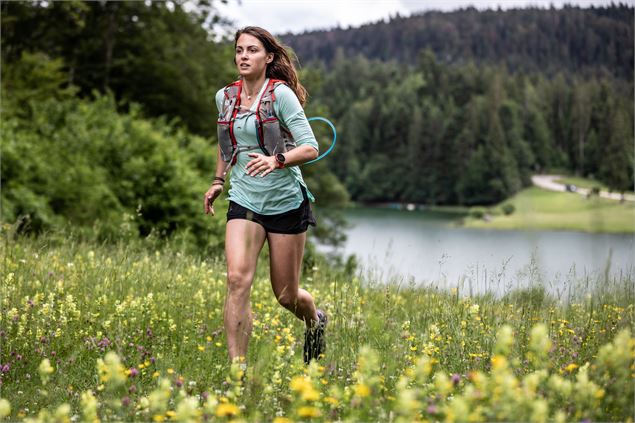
[269, 58]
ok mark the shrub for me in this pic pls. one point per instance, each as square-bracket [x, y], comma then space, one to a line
[477, 212]
[508, 209]
[82, 163]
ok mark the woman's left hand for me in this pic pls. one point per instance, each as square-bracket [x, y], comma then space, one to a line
[261, 165]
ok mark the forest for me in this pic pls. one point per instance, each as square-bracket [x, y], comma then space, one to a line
[474, 134]
[591, 40]
[462, 107]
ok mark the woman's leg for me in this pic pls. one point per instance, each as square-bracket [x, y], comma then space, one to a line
[243, 241]
[286, 253]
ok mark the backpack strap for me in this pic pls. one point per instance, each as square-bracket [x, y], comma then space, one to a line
[234, 89]
[264, 111]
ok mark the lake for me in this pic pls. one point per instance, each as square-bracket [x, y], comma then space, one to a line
[429, 248]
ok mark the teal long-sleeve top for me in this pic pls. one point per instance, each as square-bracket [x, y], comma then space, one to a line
[279, 191]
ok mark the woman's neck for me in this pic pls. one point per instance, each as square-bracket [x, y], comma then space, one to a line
[251, 87]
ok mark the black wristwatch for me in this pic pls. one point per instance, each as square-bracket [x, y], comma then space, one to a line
[280, 159]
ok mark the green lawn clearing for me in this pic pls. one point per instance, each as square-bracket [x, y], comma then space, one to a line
[535, 208]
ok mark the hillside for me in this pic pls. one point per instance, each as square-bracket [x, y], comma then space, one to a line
[595, 40]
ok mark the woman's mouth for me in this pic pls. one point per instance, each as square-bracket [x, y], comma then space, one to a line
[244, 65]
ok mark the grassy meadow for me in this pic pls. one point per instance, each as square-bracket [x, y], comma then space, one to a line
[536, 208]
[134, 332]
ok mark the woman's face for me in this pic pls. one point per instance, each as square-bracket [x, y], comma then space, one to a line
[251, 57]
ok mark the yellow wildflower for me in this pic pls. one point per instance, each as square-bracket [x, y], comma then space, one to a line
[227, 409]
[498, 362]
[332, 400]
[45, 370]
[300, 383]
[5, 408]
[111, 370]
[89, 407]
[362, 390]
[309, 412]
[539, 341]
[504, 340]
[310, 394]
[540, 411]
[62, 414]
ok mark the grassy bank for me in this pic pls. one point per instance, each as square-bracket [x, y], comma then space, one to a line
[127, 332]
[535, 208]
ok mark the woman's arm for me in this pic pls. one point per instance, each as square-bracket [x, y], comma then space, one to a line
[217, 184]
[218, 181]
[291, 114]
[261, 165]
[300, 155]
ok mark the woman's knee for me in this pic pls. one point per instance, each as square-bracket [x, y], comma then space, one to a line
[239, 282]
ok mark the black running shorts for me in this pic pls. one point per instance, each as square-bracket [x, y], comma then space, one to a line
[294, 221]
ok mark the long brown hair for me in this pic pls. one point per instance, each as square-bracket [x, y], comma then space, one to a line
[281, 67]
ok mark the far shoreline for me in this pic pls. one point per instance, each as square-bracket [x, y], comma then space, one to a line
[534, 209]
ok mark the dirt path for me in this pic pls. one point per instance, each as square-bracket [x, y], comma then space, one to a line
[549, 182]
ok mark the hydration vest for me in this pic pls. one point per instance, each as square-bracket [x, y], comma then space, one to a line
[272, 137]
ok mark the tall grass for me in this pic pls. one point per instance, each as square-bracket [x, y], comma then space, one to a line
[395, 351]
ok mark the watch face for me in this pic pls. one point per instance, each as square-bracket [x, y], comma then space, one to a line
[280, 157]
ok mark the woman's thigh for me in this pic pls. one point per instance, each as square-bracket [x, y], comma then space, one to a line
[285, 255]
[243, 241]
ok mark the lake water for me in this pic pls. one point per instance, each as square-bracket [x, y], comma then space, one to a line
[427, 248]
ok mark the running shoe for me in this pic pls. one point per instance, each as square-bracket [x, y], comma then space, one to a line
[314, 342]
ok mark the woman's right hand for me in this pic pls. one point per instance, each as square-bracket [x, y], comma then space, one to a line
[212, 193]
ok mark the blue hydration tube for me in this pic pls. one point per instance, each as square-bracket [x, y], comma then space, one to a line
[321, 156]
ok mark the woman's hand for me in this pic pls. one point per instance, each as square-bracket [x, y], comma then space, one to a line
[261, 164]
[212, 193]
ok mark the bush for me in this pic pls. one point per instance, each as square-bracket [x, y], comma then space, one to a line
[477, 212]
[508, 209]
[82, 163]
